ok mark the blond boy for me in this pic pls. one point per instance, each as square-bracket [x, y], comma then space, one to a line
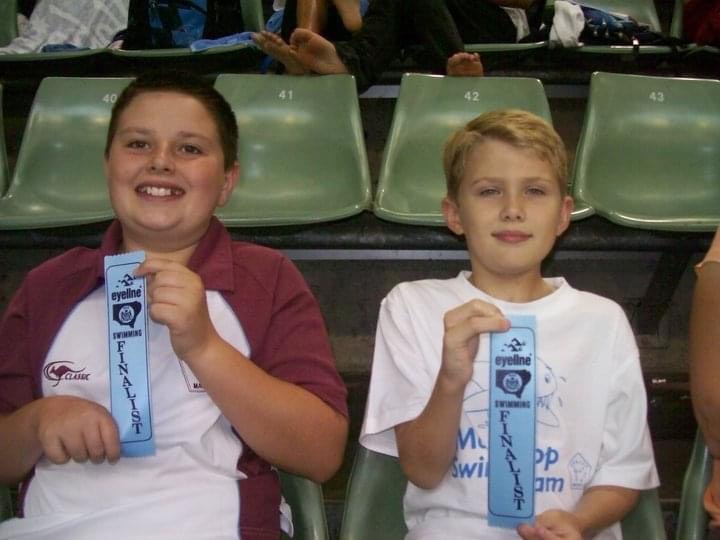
[428, 400]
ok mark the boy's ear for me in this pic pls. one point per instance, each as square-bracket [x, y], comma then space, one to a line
[230, 181]
[451, 213]
[565, 214]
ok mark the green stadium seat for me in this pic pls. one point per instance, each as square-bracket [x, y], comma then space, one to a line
[302, 154]
[8, 21]
[5, 503]
[59, 177]
[4, 171]
[646, 521]
[692, 519]
[373, 505]
[308, 508]
[429, 108]
[649, 152]
[252, 11]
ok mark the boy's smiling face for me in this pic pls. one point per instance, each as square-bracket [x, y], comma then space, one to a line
[510, 208]
[166, 171]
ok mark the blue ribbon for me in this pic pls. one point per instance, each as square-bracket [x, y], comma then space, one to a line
[128, 354]
[511, 453]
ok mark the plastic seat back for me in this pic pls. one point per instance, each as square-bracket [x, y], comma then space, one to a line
[302, 153]
[373, 505]
[252, 12]
[692, 518]
[4, 171]
[8, 21]
[308, 507]
[649, 152]
[6, 511]
[59, 177]
[645, 522]
[429, 108]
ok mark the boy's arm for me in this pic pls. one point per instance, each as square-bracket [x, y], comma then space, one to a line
[704, 358]
[597, 509]
[704, 348]
[427, 444]
[61, 428]
[283, 423]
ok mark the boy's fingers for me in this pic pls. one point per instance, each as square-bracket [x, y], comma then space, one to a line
[55, 451]
[75, 447]
[474, 326]
[151, 266]
[94, 444]
[473, 308]
[110, 440]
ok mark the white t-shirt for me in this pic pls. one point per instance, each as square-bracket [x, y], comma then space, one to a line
[591, 403]
[193, 474]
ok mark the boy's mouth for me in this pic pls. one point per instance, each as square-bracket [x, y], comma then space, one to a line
[159, 191]
[511, 237]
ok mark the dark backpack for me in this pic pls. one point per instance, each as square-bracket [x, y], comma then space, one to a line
[604, 28]
[166, 24]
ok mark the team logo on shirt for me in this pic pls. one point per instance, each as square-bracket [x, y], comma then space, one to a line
[63, 371]
[580, 471]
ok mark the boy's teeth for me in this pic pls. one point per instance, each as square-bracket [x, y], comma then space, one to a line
[157, 191]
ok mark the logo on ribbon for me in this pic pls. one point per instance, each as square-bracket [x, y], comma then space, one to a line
[512, 381]
[126, 314]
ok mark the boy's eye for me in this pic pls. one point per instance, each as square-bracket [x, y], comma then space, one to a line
[488, 191]
[138, 144]
[533, 190]
[190, 149]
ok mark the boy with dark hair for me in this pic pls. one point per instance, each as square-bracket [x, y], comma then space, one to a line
[240, 372]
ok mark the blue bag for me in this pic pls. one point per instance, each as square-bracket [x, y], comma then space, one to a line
[166, 24]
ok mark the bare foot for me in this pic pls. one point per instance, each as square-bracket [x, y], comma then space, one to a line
[464, 64]
[349, 11]
[315, 53]
[273, 45]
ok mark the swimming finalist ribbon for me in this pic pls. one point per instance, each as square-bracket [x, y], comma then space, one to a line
[128, 354]
[511, 453]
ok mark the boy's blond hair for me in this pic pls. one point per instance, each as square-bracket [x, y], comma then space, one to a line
[512, 126]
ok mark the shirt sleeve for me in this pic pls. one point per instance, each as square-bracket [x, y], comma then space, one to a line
[626, 458]
[402, 379]
[297, 348]
[16, 380]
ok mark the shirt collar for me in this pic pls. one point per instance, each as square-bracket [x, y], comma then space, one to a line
[211, 260]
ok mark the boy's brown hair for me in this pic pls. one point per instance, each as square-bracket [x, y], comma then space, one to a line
[189, 84]
[518, 128]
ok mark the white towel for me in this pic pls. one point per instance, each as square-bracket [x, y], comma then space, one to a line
[568, 23]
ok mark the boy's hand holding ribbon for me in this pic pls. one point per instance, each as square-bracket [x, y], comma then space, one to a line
[176, 297]
[440, 420]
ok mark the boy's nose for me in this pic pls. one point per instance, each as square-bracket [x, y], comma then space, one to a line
[161, 161]
[512, 209]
